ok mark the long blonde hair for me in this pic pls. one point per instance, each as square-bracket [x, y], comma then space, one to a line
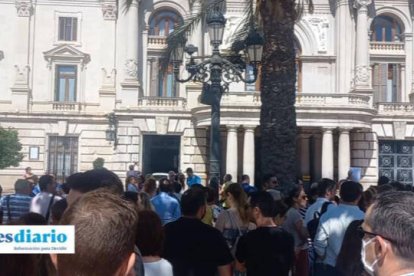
[240, 198]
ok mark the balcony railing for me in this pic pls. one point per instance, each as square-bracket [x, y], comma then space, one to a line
[66, 106]
[387, 48]
[157, 42]
[395, 108]
[302, 100]
[163, 102]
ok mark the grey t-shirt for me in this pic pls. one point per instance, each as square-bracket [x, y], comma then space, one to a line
[292, 217]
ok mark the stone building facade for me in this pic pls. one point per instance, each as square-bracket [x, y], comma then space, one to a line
[66, 65]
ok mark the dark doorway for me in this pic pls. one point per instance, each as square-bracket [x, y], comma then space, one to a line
[161, 153]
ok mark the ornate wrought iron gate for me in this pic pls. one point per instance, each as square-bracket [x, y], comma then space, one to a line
[396, 160]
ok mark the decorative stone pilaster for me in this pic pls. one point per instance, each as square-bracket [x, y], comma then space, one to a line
[362, 69]
[344, 153]
[231, 152]
[20, 89]
[109, 10]
[248, 152]
[327, 153]
[24, 8]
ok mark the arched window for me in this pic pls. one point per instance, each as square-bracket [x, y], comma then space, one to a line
[162, 23]
[385, 28]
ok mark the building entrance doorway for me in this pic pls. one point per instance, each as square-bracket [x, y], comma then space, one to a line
[161, 153]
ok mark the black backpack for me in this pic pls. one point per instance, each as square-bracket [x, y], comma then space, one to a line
[314, 223]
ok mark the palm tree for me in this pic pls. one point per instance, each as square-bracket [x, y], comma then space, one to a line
[276, 20]
[277, 114]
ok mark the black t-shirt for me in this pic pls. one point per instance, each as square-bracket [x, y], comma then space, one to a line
[194, 248]
[266, 251]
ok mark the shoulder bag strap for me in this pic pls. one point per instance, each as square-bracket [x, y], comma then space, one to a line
[49, 207]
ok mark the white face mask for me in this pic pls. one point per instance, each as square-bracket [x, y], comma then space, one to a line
[369, 268]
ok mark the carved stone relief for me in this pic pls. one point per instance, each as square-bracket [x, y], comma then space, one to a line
[131, 68]
[24, 8]
[109, 10]
[362, 3]
[319, 26]
[22, 75]
[108, 78]
[362, 75]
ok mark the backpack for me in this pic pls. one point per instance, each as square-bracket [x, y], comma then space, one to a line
[314, 223]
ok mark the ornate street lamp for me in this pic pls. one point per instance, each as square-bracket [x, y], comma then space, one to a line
[217, 72]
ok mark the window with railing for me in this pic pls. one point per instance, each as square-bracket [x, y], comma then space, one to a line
[63, 156]
[65, 83]
[385, 28]
[162, 23]
[167, 85]
[386, 82]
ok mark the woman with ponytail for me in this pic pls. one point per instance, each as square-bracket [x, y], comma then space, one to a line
[235, 221]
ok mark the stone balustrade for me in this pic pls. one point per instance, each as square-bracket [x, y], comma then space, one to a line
[303, 99]
[162, 102]
[395, 108]
[157, 42]
[387, 48]
[66, 106]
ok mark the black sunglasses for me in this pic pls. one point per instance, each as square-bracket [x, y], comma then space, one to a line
[362, 233]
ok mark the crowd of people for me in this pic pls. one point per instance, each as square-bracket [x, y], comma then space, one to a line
[176, 226]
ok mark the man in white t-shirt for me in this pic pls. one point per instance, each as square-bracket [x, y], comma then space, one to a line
[43, 201]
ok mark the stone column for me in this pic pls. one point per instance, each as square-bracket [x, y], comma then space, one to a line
[248, 152]
[304, 155]
[327, 153]
[403, 92]
[362, 79]
[231, 154]
[20, 89]
[344, 154]
[344, 51]
[107, 92]
[145, 73]
[130, 84]
[197, 37]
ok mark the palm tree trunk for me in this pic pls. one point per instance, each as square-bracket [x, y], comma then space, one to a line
[278, 115]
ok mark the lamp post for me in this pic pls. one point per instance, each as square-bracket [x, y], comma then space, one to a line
[217, 72]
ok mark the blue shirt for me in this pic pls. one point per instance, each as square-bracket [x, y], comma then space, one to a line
[248, 188]
[19, 205]
[331, 231]
[195, 179]
[167, 207]
[132, 188]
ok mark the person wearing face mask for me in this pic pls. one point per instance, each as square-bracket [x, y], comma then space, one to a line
[388, 235]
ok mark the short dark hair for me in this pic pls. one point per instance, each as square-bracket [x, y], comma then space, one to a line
[97, 178]
[293, 193]
[267, 177]
[177, 187]
[131, 167]
[150, 233]
[32, 219]
[392, 216]
[264, 201]
[383, 180]
[58, 208]
[192, 200]
[44, 181]
[325, 185]
[245, 177]
[131, 196]
[20, 185]
[96, 215]
[397, 185]
[189, 170]
[350, 191]
[164, 185]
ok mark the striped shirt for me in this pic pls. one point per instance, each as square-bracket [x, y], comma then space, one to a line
[19, 205]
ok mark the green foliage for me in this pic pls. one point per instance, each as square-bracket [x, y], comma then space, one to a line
[98, 163]
[10, 148]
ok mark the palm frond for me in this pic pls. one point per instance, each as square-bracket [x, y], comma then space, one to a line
[180, 33]
[124, 7]
[250, 20]
[300, 7]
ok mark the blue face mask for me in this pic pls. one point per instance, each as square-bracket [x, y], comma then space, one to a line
[369, 268]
